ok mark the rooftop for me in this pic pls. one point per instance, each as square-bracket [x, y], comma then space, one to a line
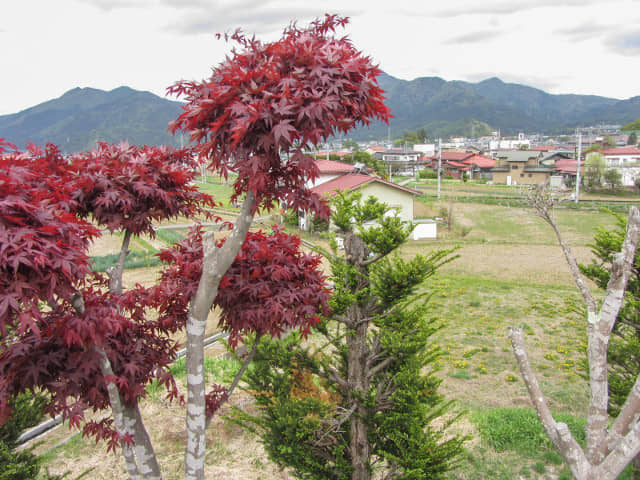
[331, 166]
[353, 181]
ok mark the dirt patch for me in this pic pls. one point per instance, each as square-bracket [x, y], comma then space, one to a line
[539, 264]
[232, 452]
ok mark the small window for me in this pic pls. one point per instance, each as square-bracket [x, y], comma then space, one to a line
[530, 175]
[522, 175]
[514, 167]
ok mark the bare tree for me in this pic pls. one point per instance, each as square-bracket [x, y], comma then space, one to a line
[609, 448]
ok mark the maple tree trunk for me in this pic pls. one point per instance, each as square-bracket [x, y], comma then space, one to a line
[143, 448]
[122, 426]
[140, 458]
[216, 262]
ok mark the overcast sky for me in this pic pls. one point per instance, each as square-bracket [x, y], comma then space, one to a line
[561, 46]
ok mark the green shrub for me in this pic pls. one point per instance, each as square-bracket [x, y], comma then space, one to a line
[427, 174]
[290, 217]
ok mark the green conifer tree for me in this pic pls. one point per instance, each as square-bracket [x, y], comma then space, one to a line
[360, 396]
[27, 412]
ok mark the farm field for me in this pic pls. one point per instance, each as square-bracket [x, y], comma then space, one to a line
[509, 271]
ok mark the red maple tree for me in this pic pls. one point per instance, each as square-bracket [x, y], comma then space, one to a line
[93, 345]
[261, 108]
[128, 188]
[257, 113]
[272, 285]
[267, 102]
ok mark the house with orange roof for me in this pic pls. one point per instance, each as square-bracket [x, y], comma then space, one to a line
[543, 148]
[455, 164]
[451, 156]
[480, 166]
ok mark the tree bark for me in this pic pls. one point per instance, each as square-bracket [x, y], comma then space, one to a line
[357, 382]
[216, 262]
[139, 457]
[123, 427]
[558, 432]
[608, 450]
[357, 364]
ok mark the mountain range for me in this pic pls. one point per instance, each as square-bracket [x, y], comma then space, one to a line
[82, 116]
[436, 104]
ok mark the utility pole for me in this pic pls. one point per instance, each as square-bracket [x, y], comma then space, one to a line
[439, 164]
[578, 166]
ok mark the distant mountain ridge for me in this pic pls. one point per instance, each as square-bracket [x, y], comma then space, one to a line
[431, 103]
[82, 116]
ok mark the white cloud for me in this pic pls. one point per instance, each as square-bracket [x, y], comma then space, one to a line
[563, 46]
[505, 7]
[626, 43]
[473, 37]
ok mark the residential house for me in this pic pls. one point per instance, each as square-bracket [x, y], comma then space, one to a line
[338, 176]
[395, 195]
[330, 169]
[399, 161]
[551, 157]
[427, 149]
[451, 163]
[505, 143]
[565, 171]
[520, 167]
[626, 160]
[543, 148]
[453, 169]
[621, 157]
[480, 166]
[455, 164]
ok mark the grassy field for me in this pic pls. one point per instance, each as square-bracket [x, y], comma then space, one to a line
[510, 271]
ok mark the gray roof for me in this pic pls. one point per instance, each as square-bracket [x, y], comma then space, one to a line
[519, 155]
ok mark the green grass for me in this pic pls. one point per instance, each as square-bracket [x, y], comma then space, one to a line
[519, 430]
[551, 323]
[170, 236]
[515, 224]
[135, 259]
[513, 443]
[216, 370]
[220, 190]
[220, 370]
